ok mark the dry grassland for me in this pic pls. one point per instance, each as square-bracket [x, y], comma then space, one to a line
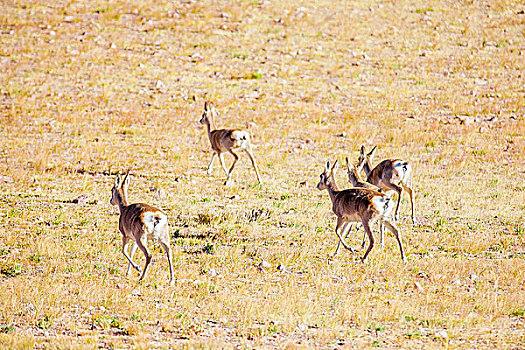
[88, 88]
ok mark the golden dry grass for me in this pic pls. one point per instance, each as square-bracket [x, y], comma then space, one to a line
[90, 88]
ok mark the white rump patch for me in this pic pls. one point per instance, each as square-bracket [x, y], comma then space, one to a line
[403, 169]
[398, 164]
[155, 221]
[383, 205]
[241, 137]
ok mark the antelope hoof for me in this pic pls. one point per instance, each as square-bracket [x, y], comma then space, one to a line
[350, 249]
[228, 182]
[172, 282]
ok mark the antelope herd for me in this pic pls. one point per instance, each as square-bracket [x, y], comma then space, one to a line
[364, 203]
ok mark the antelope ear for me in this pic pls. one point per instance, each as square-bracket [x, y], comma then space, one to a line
[372, 152]
[117, 181]
[327, 169]
[363, 150]
[334, 167]
[360, 164]
[214, 110]
[126, 179]
[349, 166]
[206, 106]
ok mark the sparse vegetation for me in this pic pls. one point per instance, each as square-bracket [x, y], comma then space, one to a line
[88, 89]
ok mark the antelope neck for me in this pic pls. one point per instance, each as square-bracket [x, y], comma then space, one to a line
[208, 127]
[121, 199]
[332, 189]
[366, 167]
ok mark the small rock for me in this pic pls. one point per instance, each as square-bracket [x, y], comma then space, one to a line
[342, 279]
[424, 331]
[196, 57]
[442, 334]
[160, 194]
[422, 274]
[302, 327]
[160, 85]
[6, 179]
[82, 199]
[265, 264]
[464, 119]
[419, 287]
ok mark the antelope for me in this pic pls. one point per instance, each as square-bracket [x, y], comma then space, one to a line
[226, 140]
[138, 221]
[358, 205]
[355, 179]
[390, 174]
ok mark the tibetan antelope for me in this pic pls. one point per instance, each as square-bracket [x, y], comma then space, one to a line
[355, 179]
[390, 174]
[226, 140]
[358, 205]
[138, 221]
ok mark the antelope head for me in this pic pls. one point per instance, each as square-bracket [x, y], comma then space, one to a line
[327, 177]
[120, 190]
[209, 113]
[366, 158]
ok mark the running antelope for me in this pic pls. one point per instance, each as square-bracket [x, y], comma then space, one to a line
[137, 222]
[358, 205]
[390, 174]
[226, 140]
[355, 179]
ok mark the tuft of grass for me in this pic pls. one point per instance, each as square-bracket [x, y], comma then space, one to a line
[520, 312]
[45, 322]
[7, 329]
[256, 75]
[12, 270]
[424, 10]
